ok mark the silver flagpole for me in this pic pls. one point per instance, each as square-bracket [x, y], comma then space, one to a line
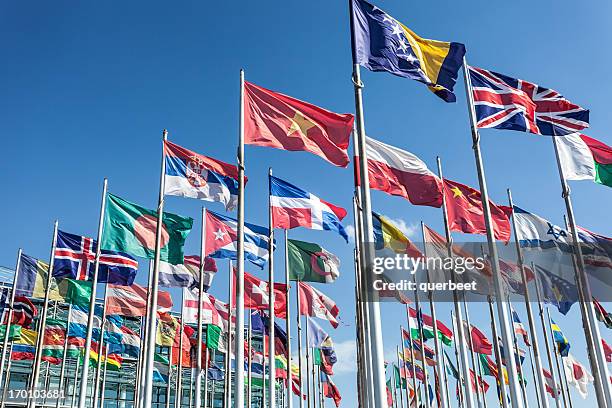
[74, 386]
[206, 352]
[556, 355]
[169, 385]
[288, 325]
[140, 378]
[462, 362]
[412, 359]
[437, 345]
[400, 378]
[10, 315]
[599, 365]
[308, 384]
[271, 331]
[239, 381]
[299, 340]
[532, 328]
[64, 356]
[228, 354]
[103, 321]
[460, 381]
[178, 394]
[7, 377]
[43, 323]
[500, 367]
[152, 312]
[546, 338]
[103, 377]
[92, 304]
[250, 361]
[198, 384]
[471, 345]
[533, 373]
[314, 382]
[374, 323]
[519, 363]
[422, 340]
[502, 309]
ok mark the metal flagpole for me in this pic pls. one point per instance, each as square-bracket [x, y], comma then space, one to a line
[437, 345]
[271, 331]
[562, 376]
[64, 356]
[198, 384]
[103, 376]
[178, 394]
[92, 304]
[556, 356]
[228, 352]
[250, 360]
[393, 385]
[471, 346]
[43, 323]
[400, 378]
[460, 384]
[533, 373]
[502, 309]
[501, 383]
[168, 385]
[205, 376]
[546, 338]
[7, 378]
[152, 312]
[462, 361]
[10, 315]
[239, 382]
[140, 386]
[597, 358]
[263, 388]
[191, 383]
[288, 324]
[314, 382]
[74, 386]
[422, 340]
[534, 338]
[100, 345]
[308, 385]
[299, 340]
[519, 363]
[412, 359]
[374, 323]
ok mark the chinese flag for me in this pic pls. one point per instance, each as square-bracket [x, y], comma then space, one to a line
[275, 120]
[465, 214]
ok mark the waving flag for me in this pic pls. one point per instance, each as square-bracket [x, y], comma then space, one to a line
[222, 239]
[132, 300]
[186, 275]
[503, 102]
[189, 174]
[519, 329]
[75, 257]
[401, 173]
[214, 311]
[444, 333]
[256, 295]
[130, 342]
[550, 384]
[321, 341]
[311, 262]
[53, 341]
[330, 390]
[24, 311]
[563, 345]
[315, 304]
[272, 119]
[77, 329]
[602, 314]
[381, 43]
[480, 343]
[577, 375]
[388, 235]
[32, 279]
[293, 207]
[585, 158]
[534, 231]
[557, 291]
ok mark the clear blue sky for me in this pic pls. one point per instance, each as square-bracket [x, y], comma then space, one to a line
[87, 89]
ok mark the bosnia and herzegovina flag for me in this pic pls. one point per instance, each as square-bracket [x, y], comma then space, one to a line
[381, 43]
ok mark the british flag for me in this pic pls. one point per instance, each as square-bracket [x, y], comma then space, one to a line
[502, 102]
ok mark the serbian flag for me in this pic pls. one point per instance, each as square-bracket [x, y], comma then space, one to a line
[293, 207]
[256, 295]
[330, 390]
[132, 300]
[465, 212]
[401, 173]
[275, 120]
[315, 304]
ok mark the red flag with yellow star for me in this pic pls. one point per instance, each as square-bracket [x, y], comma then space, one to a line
[275, 120]
[465, 214]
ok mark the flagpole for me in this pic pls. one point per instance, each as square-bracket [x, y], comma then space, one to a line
[412, 359]
[103, 376]
[546, 338]
[400, 375]
[533, 373]
[7, 377]
[74, 387]
[43, 323]
[461, 389]
[359, 334]
[288, 323]
[314, 381]
[309, 391]
[10, 315]
[471, 345]
[263, 388]
[178, 394]
[516, 350]
[299, 339]
[463, 360]
[500, 367]
[271, 334]
[100, 345]
[140, 386]
[502, 309]
[228, 352]
[422, 340]
[205, 375]
[556, 356]
[64, 356]
[599, 365]
[534, 338]
[198, 384]
[250, 359]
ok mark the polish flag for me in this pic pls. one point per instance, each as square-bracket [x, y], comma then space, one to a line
[401, 173]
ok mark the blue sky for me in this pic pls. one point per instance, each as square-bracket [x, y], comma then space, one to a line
[87, 89]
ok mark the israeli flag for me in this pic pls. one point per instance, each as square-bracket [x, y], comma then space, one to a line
[534, 231]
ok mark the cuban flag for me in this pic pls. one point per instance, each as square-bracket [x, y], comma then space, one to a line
[222, 239]
[534, 231]
[192, 175]
[75, 258]
[293, 207]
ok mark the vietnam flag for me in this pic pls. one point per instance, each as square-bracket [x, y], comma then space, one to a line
[275, 120]
[465, 212]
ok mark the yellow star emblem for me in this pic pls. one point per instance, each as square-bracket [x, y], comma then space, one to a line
[456, 192]
[299, 123]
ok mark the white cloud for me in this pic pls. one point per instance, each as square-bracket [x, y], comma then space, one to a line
[350, 230]
[347, 357]
[408, 229]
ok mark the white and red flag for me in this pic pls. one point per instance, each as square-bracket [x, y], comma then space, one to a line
[550, 384]
[577, 375]
[316, 304]
[257, 295]
[132, 300]
[401, 173]
[214, 311]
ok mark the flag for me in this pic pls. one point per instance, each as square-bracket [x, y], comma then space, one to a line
[480, 343]
[534, 231]
[32, 279]
[556, 290]
[280, 336]
[213, 336]
[167, 327]
[77, 329]
[482, 384]
[192, 175]
[161, 368]
[607, 350]
[319, 340]
[381, 43]
[444, 333]
[550, 384]
[222, 239]
[75, 258]
[187, 274]
[132, 300]
[293, 207]
[563, 345]
[502, 102]
[130, 342]
[132, 229]
[315, 304]
[577, 375]
[24, 311]
[465, 212]
[311, 262]
[22, 352]
[256, 295]
[423, 352]
[14, 332]
[113, 360]
[330, 390]
[489, 367]
[275, 120]
[585, 158]
[53, 341]
[387, 235]
[4, 298]
[400, 173]
[519, 329]
[112, 329]
[214, 311]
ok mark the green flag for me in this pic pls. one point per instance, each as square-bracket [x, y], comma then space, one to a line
[316, 356]
[14, 332]
[132, 229]
[78, 292]
[213, 336]
[400, 382]
[311, 262]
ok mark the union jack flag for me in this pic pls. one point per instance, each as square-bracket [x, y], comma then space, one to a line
[502, 102]
[75, 258]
